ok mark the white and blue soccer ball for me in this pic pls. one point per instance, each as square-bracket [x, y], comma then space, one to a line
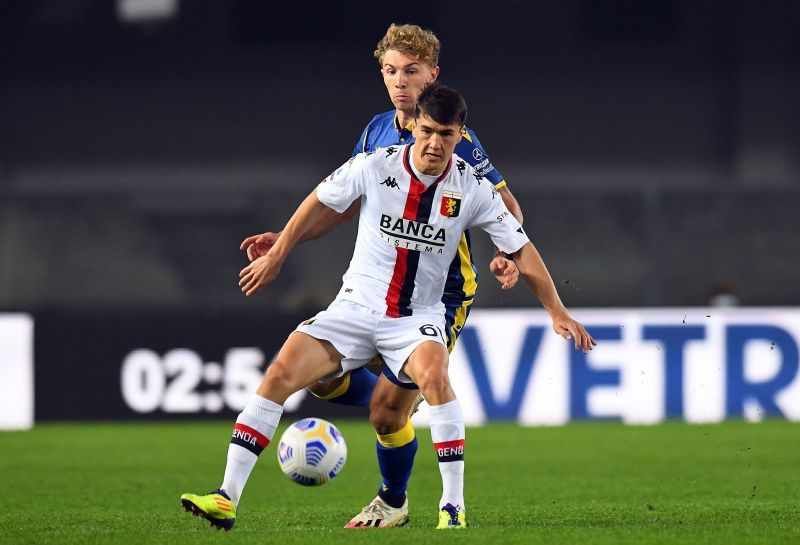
[312, 451]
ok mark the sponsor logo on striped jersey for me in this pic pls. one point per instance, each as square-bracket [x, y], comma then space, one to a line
[412, 235]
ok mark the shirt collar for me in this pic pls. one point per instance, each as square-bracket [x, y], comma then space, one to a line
[400, 129]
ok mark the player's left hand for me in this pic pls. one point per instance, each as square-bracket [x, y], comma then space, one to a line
[505, 271]
[259, 273]
[572, 330]
[258, 245]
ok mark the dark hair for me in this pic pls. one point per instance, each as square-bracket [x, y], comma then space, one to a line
[443, 104]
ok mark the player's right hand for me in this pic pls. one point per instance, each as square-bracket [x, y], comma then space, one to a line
[258, 245]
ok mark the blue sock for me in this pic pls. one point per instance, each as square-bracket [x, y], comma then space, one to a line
[396, 459]
[357, 391]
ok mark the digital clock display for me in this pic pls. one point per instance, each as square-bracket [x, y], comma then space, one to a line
[181, 382]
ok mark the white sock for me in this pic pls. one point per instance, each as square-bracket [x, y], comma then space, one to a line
[447, 432]
[253, 431]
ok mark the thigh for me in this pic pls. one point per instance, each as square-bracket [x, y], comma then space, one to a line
[427, 357]
[308, 355]
[427, 366]
[398, 338]
[350, 328]
[301, 360]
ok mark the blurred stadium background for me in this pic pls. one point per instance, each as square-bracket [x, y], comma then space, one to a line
[654, 148]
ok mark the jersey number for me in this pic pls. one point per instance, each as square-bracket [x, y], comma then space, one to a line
[430, 330]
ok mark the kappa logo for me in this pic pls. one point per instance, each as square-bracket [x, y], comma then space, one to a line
[451, 204]
[390, 182]
[390, 151]
[461, 165]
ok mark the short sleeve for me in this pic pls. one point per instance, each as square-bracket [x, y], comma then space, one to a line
[361, 145]
[471, 150]
[344, 185]
[490, 214]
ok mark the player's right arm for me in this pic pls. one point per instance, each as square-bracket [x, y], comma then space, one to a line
[337, 192]
[265, 269]
[329, 220]
[472, 151]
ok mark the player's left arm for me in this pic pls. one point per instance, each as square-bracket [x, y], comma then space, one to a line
[490, 214]
[511, 203]
[535, 274]
[501, 266]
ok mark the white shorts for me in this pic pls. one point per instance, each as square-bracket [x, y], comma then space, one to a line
[360, 333]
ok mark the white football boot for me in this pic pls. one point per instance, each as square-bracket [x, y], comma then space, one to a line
[379, 515]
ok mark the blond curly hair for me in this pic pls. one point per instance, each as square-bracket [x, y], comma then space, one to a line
[411, 40]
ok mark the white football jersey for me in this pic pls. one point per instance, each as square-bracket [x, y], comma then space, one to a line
[408, 233]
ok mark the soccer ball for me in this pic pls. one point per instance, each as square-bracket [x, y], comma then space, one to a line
[312, 452]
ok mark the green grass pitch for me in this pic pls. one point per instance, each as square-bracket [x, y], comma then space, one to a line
[595, 483]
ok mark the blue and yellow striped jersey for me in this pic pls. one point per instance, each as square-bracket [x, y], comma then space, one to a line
[384, 130]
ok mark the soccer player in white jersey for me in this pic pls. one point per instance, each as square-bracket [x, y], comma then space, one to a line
[408, 57]
[416, 202]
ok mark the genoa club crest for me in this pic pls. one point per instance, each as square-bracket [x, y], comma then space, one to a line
[451, 204]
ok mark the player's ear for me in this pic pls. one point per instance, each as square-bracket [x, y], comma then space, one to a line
[434, 73]
[461, 134]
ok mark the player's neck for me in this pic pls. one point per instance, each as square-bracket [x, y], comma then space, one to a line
[425, 177]
[404, 118]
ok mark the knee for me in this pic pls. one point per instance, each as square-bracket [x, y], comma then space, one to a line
[432, 376]
[428, 367]
[281, 377]
[387, 419]
[434, 379]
